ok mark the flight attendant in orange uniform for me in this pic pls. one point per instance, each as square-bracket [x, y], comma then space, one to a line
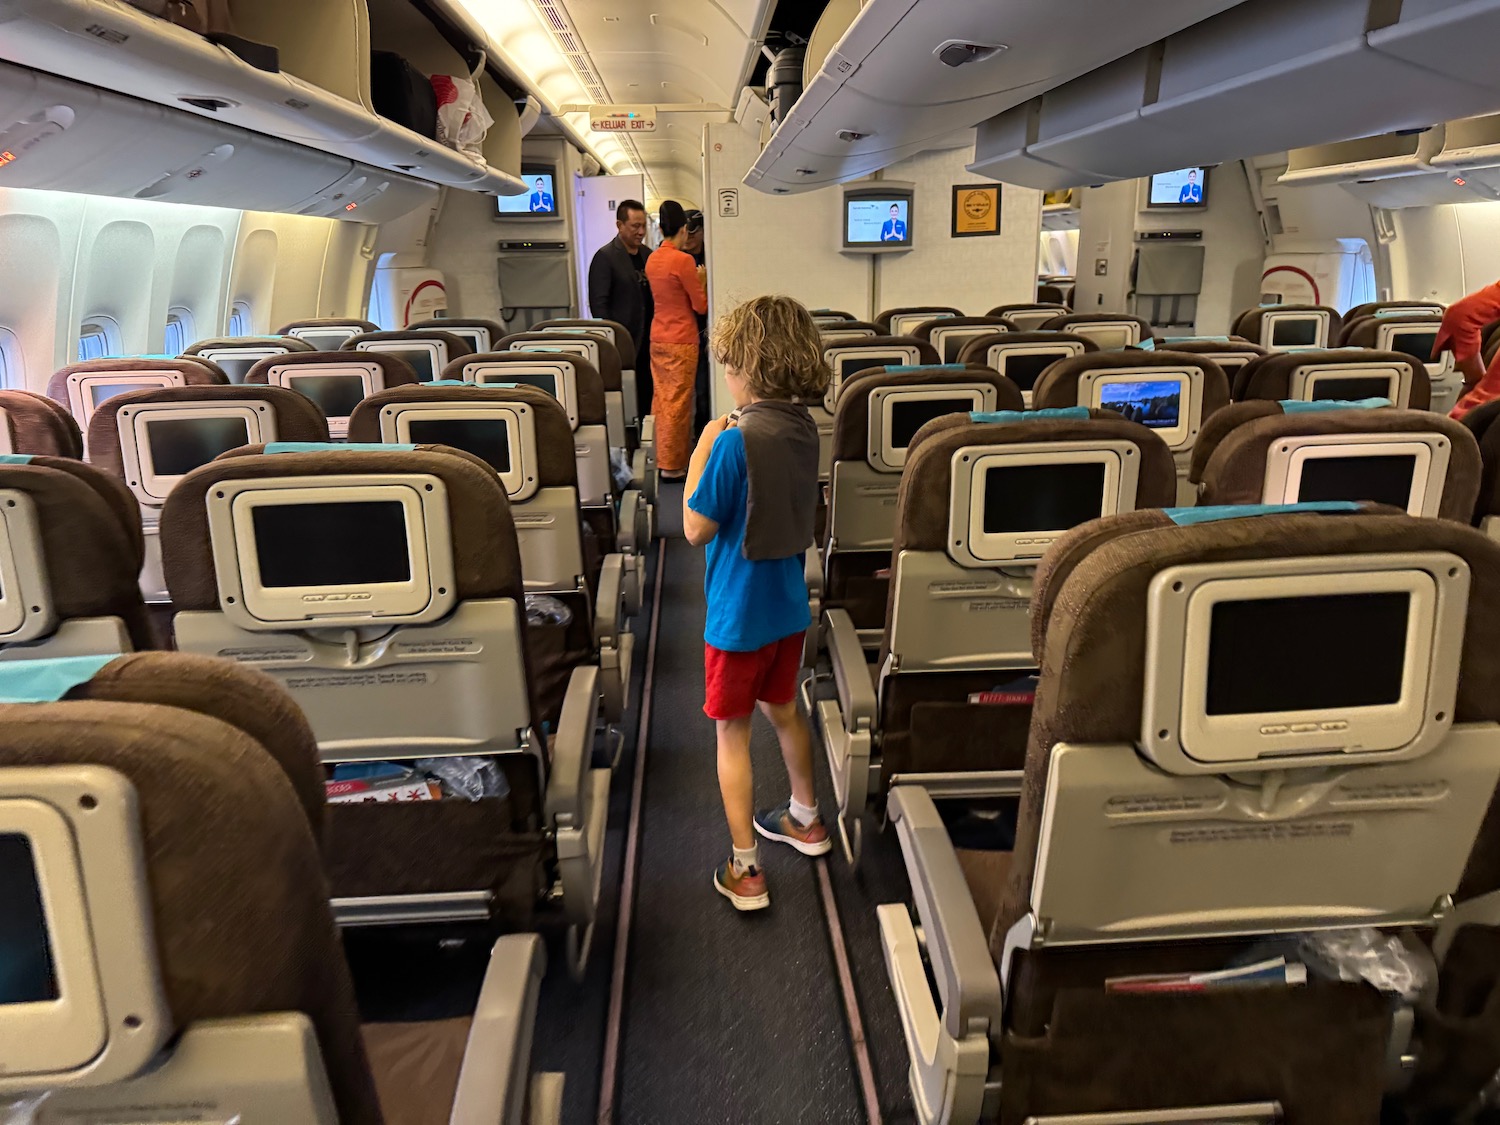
[678, 292]
[1460, 334]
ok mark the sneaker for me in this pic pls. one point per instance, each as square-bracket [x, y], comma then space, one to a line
[747, 891]
[778, 824]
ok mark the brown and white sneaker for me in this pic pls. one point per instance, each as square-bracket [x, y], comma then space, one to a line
[780, 825]
[746, 890]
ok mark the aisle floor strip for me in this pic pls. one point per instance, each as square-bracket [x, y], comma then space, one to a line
[867, 1087]
[609, 1075]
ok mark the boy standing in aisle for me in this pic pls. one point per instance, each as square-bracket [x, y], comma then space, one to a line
[751, 498]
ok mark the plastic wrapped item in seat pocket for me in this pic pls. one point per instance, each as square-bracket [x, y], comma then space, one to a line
[471, 778]
[542, 609]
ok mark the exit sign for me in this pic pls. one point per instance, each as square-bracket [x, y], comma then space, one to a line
[623, 119]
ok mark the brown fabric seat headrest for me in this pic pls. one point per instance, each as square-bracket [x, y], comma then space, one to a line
[40, 426]
[297, 417]
[1235, 473]
[926, 354]
[847, 327]
[493, 327]
[609, 356]
[977, 350]
[625, 344]
[1236, 346]
[1481, 423]
[457, 345]
[1370, 308]
[588, 385]
[1058, 386]
[883, 318]
[1270, 377]
[329, 322]
[226, 343]
[851, 418]
[239, 909]
[394, 371]
[1364, 332]
[486, 560]
[1221, 424]
[194, 372]
[557, 465]
[923, 331]
[1029, 306]
[1068, 321]
[1248, 323]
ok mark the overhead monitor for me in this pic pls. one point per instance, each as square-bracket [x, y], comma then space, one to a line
[1186, 187]
[1351, 382]
[1168, 402]
[88, 390]
[332, 550]
[160, 443]
[426, 357]
[1109, 336]
[1008, 504]
[879, 217]
[327, 337]
[845, 361]
[502, 434]
[1256, 665]
[237, 362]
[904, 324]
[1293, 331]
[897, 413]
[1406, 471]
[558, 378]
[950, 342]
[336, 388]
[539, 200]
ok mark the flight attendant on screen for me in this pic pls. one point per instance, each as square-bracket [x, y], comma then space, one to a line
[540, 200]
[1192, 191]
[894, 230]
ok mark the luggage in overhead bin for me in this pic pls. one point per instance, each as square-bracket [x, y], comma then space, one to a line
[213, 20]
[402, 93]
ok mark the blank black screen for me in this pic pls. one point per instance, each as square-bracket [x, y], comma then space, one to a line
[850, 364]
[422, 361]
[27, 974]
[486, 438]
[1327, 388]
[953, 343]
[1418, 345]
[334, 544]
[336, 395]
[546, 383]
[102, 392]
[1025, 370]
[1386, 479]
[1305, 654]
[911, 414]
[1291, 333]
[326, 342]
[180, 445]
[1042, 497]
[469, 336]
[235, 367]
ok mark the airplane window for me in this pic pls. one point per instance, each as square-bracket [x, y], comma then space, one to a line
[98, 338]
[240, 320]
[12, 375]
[179, 332]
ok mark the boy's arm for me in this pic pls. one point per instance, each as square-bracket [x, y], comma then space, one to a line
[698, 528]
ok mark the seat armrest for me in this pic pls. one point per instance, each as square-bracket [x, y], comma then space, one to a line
[812, 573]
[630, 507]
[850, 672]
[648, 429]
[957, 946]
[609, 602]
[495, 1078]
[572, 746]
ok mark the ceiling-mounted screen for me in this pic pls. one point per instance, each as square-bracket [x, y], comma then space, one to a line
[1186, 187]
[879, 217]
[540, 197]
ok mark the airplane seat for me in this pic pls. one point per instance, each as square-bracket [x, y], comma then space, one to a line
[37, 425]
[236, 355]
[901, 320]
[1481, 423]
[878, 415]
[1288, 327]
[1110, 331]
[849, 328]
[622, 518]
[1335, 374]
[479, 333]
[949, 334]
[141, 795]
[523, 433]
[1051, 295]
[426, 351]
[1022, 356]
[1489, 341]
[334, 382]
[1413, 334]
[981, 498]
[1289, 452]
[1377, 308]
[82, 387]
[1036, 1012]
[827, 318]
[601, 353]
[1231, 353]
[1029, 316]
[327, 333]
[1173, 393]
[382, 588]
[71, 552]
[150, 439]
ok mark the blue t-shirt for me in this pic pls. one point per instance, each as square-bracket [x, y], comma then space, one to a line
[750, 604]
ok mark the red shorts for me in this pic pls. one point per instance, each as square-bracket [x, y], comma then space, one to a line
[734, 681]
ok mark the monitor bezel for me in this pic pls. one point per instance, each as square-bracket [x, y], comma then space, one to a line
[26, 609]
[884, 191]
[1286, 458]
[520, 481]
[1178, 438]
[1202, 203]
[428, 595]
[938, 337]
[1399, 377]
[256, 354]
[487, 373]
[1385, 341]
[903, 324]
[995, 357]
[970, 546]
[1089, 330]
[905, 355]
[1031, 320]
[481, 342]
[133, 423]
[301, 333]
[399, 348]
[1268, 329]
[884, 457]
[285, 374]
[830, 338]
[81, 386]
[530, 171]
[584, 346]
[1181, 738]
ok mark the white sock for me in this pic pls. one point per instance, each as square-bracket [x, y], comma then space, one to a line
[804, 814]
[746, 857]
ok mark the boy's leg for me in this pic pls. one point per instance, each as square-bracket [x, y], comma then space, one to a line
[797, 822]
[796, 749]
[736, 782]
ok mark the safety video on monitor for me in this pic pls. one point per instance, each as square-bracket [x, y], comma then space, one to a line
[869, 222]
[1186, 187]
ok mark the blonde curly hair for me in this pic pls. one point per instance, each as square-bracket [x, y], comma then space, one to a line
[775, 347]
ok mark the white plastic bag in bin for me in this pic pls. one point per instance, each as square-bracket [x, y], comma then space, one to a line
[462, 119]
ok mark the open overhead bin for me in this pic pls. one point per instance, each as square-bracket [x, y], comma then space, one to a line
[1473, 142]
[1429, 190]
[319, 98]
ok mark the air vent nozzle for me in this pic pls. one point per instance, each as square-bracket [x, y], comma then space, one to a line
[958, 52]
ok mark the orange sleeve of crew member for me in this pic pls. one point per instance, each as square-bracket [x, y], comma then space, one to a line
[1465, 320]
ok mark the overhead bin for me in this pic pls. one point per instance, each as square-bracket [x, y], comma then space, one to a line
[1367, 158]
[1455, 37]
[1473, 142]
[1430, 190]
[1002, 152]
[1086, 122]
[171, 66]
